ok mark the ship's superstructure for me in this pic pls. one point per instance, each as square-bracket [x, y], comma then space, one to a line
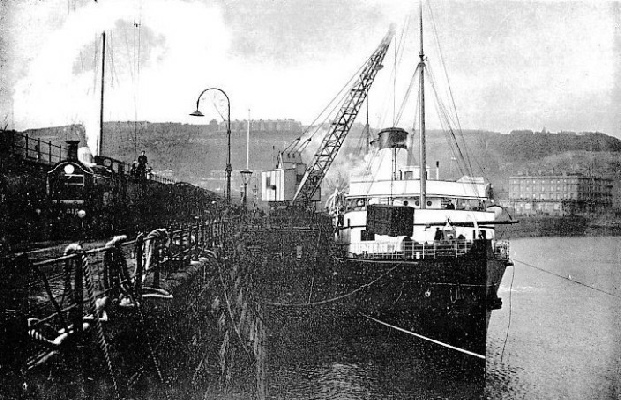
[414, 250]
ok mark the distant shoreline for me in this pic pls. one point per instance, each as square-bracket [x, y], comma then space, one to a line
[563, 226]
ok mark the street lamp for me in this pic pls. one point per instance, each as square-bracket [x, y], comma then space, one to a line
[228, 168]
[246, 175]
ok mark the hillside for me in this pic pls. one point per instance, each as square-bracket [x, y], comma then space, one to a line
[498, 156]
[192, 152]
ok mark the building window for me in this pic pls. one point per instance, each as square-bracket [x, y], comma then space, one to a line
[366, 236]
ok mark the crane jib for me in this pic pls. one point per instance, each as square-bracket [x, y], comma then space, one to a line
[341, 125]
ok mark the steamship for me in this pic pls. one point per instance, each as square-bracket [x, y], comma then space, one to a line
[420, 251]
[428, 259]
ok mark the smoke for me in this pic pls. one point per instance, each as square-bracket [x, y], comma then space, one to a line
[350, 162]
[181, 42]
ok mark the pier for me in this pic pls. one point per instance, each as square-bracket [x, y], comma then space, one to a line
[179, 306]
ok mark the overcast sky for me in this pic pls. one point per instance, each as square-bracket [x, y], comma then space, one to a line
[511, 64]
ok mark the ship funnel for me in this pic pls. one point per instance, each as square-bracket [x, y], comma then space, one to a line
[393, 138]
[72, 150]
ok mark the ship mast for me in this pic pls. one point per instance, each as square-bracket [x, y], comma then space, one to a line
[101, 106]
[423, 151]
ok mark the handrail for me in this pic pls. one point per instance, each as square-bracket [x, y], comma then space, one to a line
[48, 153]
[34, 149]
[187, 243]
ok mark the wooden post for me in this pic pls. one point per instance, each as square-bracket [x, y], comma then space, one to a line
[79, 291]
[139, 266]
[196, 241]
[49, 151]
[156, 263]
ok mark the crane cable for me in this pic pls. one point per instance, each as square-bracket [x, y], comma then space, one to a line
[400, 49]
[293, 146]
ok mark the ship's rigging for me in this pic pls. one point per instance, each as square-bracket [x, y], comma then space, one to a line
[331, 143]
[446, 112]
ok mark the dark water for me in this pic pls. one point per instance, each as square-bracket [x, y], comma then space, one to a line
[358, 359]
[564, 340]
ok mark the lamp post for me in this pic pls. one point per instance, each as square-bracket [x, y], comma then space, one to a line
[228, 168]
[246, 175]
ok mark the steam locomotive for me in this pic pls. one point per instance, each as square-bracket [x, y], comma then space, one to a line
[101, 198]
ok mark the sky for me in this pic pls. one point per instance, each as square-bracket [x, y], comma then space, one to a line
[510, 64]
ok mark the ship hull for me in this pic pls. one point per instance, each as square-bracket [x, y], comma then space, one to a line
[447, 299]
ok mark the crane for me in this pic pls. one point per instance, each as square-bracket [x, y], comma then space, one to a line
[331, 143]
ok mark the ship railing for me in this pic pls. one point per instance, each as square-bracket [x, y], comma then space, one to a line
[416, 251]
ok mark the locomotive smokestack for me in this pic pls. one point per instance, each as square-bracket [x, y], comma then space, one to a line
[72, 150]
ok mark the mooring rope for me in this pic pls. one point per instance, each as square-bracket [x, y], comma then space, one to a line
[567, 279]
[101, 337]
[366, 285]
[502, 353]
[418, 335]
[230, 313]
[156, 364]
[48, 290]
[142, 322]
